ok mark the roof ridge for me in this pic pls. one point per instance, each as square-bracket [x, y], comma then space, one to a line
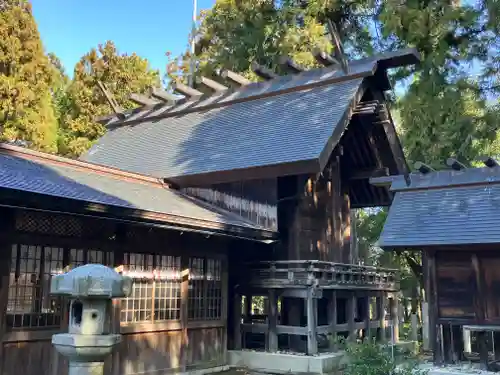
[78, 164]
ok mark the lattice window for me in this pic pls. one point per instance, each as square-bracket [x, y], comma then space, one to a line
[196, 286]
[37, 222]
[205, 289]
[156, 289]
[79, 257]
[167, 291]
[29, 303]
[138, 306]
[214, 289]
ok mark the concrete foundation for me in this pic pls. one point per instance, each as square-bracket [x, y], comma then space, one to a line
[281, 363]
[278, 363]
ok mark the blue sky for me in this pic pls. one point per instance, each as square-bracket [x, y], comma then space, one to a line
[70, 28]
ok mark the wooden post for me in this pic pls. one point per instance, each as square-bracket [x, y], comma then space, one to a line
[332, 320]
[247, 314]
[457, 344]
[184, 311]
[496, 342]
[381, 331]
[351, 316]
[237, 321]
[447, 344]
[482, 343]
[272, 333]
[294, 316]
[225, 292]
[367, 320]
[312, 306]
[393, 307]
[480, 311]
[435, 331]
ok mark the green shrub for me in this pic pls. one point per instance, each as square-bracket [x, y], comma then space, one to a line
[370, 358]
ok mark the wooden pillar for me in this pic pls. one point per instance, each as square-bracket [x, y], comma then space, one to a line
[496, 342]
[184, 311]
[366, 309]
[457, 343]
[332, 320]
[312, 324]
[393, 307]
[247, 314]
[447, 344]
[237, 321]
[272, 332]
[435, 331]
[480, 311]
[295, 307]
[6, 226]
[225, 312]
[351, 316]
[381, 331]
[482, 343]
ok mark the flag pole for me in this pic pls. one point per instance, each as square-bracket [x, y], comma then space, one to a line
[192, 45]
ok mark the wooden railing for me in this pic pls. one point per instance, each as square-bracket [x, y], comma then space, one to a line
[327, 275]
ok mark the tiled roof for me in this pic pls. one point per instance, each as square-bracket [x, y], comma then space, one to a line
[289, 119]
[285, 128]
[23, 170]
[444, 208]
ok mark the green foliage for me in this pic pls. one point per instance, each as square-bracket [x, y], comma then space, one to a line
[26, 79]
[122, 74]
[233, 34]
[444, 112]
[370, 358]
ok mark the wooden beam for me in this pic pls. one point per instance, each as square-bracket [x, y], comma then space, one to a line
[455, 164]
[263, 72]
[211, 84]
[234, 77]
[289, 65]
[423, 168]
[187, 91]
[142, 100]
[338, 47]
[366, 174]
[324, 58]
[111, 100]
[164, 96]
[490, 163]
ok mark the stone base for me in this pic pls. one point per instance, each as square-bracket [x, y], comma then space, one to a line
[281, 363]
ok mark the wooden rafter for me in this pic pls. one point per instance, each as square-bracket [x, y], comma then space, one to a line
[111, 100]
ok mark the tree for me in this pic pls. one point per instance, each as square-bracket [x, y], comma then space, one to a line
[26, 78]
[122, 74]
[233, 34]
[444, 112]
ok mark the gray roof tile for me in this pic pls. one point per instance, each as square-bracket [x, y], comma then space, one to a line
[66, 181]
[444, 208]
[289, 127]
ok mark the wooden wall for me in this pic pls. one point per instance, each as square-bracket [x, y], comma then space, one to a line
[151, 352]
[314, 216]
[467, 285]
[254, 199]
[157, 347]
